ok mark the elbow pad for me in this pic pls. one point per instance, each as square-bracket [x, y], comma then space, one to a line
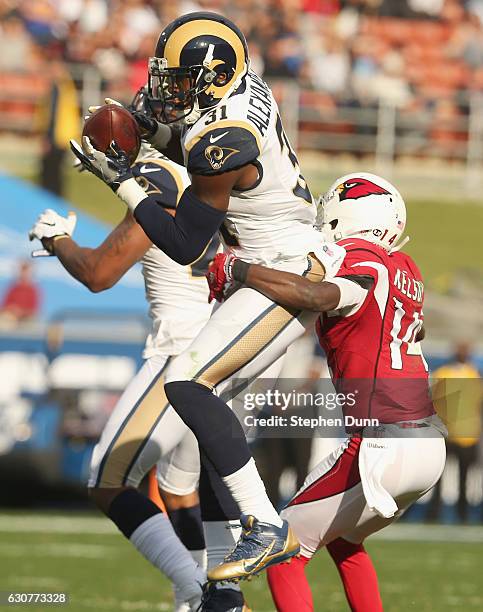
[185, 236]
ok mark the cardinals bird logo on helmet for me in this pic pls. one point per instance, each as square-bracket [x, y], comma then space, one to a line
[359, 187]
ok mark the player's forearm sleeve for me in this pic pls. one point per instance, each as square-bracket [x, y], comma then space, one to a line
[351, 293]
[183, 237]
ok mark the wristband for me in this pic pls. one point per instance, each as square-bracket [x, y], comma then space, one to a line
[54, 239]
[131, 193]
[240, 270]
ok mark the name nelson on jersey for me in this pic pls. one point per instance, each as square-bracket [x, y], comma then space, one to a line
[260, 104]
[409, 286]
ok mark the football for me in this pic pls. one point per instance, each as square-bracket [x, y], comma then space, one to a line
[112, 122]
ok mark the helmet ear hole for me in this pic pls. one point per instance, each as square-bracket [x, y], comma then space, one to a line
[221, 79]
[333, 223]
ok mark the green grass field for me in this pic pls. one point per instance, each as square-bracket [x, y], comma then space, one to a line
[420, 568]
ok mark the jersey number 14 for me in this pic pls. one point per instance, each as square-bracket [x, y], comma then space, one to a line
[408, 339]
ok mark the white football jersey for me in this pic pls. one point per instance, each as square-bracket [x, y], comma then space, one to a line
[274, 219]
[177, 295]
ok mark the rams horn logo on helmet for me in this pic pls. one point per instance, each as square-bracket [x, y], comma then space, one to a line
[358, 188]
[217, 156]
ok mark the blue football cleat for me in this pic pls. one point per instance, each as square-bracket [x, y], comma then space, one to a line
[260, 546]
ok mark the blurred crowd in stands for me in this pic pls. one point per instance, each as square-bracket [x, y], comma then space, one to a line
[422, 57]
[370, 48]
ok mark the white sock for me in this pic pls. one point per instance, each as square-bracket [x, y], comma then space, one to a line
[180, 605]
[200, 557]
[220, 538]
[156, 540]
[248, 491]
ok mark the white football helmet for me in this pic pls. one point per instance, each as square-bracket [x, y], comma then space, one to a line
[363, 205]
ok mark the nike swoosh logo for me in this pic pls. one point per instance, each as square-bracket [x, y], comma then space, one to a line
[49, 224]
[216, 138]
[259, 560]
[145, 170]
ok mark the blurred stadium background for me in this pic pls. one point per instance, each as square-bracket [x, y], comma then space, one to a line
[389, 86]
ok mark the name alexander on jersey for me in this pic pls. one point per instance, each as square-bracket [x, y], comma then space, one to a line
[260, 104]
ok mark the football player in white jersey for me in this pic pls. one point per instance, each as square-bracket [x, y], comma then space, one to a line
[245, 180]
[141, 430]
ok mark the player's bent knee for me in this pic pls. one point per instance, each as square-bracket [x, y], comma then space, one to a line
[104, 497]
[172, 501]
[184, 395]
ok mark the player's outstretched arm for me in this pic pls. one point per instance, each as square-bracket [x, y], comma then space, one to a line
[289, 289]
[199, 214]
[285, 288]
[99, 268]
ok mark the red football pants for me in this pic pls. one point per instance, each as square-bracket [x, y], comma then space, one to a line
[290, 588]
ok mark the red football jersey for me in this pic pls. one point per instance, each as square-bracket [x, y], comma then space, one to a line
[373, 351]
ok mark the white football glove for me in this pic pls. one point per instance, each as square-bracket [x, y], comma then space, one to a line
[77, 165]
[51, 224]
[113, 168]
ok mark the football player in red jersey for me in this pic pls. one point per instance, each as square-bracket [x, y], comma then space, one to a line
[370, 327]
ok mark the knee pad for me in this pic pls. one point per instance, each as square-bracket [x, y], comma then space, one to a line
[194, 404]
[176, 480]
[212, 422]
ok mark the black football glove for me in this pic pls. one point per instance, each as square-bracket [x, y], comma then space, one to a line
[148, 126]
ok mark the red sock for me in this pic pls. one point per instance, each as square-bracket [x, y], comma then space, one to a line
[358, 575]
[289, 586]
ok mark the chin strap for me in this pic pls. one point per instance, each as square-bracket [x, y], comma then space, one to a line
[333, 236]
[193, 116]
[399, 246]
